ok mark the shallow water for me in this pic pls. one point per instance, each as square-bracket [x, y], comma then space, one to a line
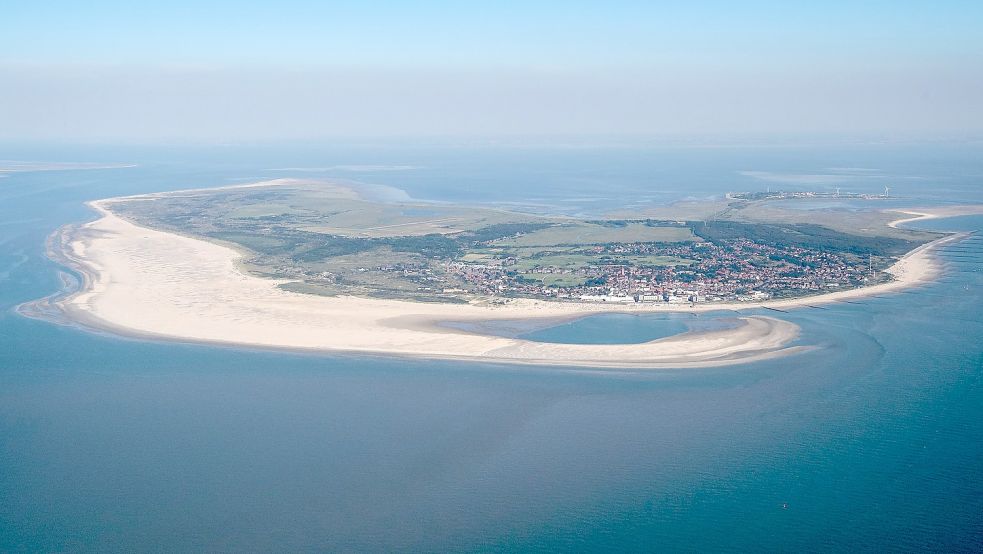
[870, 443]
[608, 328]
[603, 328]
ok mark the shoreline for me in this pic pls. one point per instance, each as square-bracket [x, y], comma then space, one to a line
[919, 214]
[144, 283]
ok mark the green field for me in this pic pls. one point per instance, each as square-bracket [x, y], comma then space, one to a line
[590, 233]
[562, 261]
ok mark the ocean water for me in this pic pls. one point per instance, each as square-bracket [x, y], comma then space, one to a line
[872, 442]
[610, 328]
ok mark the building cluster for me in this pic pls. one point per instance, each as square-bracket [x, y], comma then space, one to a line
[740, 270]
[788, 195]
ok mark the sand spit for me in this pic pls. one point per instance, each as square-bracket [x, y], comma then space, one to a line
[919, 214]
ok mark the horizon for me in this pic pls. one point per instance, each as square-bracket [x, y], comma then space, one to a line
[223, 72]
[434, 276]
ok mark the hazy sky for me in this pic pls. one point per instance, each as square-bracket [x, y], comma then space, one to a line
[220, 71]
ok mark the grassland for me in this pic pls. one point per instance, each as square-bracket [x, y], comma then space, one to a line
[871, 222]
[586, 233]
[327, 239]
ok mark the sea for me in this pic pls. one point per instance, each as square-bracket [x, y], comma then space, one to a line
[870, 442]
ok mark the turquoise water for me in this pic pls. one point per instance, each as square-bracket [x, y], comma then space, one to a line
[872, 442]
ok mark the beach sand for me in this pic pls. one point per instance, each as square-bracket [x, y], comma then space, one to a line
[919, 214]
[144, 282]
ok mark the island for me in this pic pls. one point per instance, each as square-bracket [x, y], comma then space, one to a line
[323, 266]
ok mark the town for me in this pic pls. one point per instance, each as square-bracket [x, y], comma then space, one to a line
[733, 270]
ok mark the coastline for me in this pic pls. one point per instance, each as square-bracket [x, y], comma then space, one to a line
[146, 283]
[150, 284]
[919, 214]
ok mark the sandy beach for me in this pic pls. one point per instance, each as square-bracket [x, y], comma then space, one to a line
[144, 282]
[935, 213]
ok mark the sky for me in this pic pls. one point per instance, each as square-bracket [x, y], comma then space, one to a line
[217, 71]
